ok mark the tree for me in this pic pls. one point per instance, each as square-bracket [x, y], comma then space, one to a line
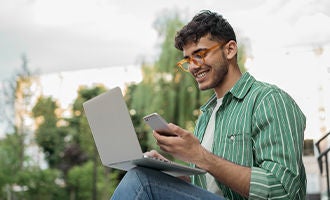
[19, 177]
[14, 91]
[23, 94]
[49, 136]
[10, 161]
[38, 184]
[81, 179]
[29, 182]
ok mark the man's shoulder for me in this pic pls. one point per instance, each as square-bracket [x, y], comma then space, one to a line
[263, 91]
[248, 85]
[265, 88]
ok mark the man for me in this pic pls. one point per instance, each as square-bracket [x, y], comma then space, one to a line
[249, 137]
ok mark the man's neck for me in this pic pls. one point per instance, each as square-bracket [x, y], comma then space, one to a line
[234, 74]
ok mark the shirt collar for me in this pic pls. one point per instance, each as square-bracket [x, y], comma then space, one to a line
[239, 90]
[242, 86]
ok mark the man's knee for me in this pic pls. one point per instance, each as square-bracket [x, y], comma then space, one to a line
[137, 172]
[133, 183]
[139, 175]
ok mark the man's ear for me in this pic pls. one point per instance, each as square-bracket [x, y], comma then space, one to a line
[231, 49]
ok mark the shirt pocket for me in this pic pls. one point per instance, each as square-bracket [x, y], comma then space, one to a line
[237, 148]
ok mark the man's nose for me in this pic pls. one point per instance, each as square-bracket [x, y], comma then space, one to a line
[193, 66]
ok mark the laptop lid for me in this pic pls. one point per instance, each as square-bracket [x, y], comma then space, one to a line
[115, 137]
[112, 128]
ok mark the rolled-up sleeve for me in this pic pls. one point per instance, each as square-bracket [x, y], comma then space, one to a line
[278, 135]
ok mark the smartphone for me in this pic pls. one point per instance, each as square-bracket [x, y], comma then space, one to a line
[158, 123]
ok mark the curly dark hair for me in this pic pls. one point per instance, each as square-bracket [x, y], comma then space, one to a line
[205, 22]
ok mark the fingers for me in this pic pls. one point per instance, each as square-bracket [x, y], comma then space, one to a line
[177, 146]
[166, 141]
[168, 144]
[166, 133]
[154, 154]
[174, 130]
[169, 131]
[162, 139]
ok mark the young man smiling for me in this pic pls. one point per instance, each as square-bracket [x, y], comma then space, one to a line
[249, 136]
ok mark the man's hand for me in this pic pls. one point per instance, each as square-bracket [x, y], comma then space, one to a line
[185, 147]
[155, 154]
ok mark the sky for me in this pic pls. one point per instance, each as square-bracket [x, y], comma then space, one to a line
[288, 41]
[77, 34]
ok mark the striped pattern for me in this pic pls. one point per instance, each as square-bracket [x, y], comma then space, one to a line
[260, 126]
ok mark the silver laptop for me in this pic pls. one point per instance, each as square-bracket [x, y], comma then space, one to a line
[116, 139]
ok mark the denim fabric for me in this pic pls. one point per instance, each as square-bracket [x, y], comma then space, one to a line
[143, 183]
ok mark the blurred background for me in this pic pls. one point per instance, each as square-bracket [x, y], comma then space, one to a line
[54, 55]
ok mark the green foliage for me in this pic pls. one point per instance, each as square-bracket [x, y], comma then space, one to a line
[27, 182]
[49, 136]
[40, 184]
[19, 177]
[80, 180]
[65, 142]
[9, 158]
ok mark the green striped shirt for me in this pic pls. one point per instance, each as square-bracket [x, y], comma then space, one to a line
[260, 126]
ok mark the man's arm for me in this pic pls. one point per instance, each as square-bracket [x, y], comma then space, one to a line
[235, 176]
[188, 148]
[278, 145]
[277, 140]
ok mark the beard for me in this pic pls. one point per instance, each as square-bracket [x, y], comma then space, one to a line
[216, 75]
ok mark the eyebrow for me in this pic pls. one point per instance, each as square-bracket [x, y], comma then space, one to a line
[194, 52]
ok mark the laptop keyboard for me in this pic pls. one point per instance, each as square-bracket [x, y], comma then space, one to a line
[167, 161]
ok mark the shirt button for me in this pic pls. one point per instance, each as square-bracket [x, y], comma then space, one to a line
[232, 137]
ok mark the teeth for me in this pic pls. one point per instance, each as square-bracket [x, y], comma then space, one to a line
[201, 75]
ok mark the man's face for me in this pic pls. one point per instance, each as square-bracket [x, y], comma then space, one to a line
[212, 73]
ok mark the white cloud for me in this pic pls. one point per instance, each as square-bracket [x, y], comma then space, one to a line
[63, 86]
[66, 35]
[312, 29]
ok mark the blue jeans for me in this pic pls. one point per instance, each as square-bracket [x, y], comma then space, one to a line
[144, 183]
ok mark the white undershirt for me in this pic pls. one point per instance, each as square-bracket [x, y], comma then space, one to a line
[207, 143]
